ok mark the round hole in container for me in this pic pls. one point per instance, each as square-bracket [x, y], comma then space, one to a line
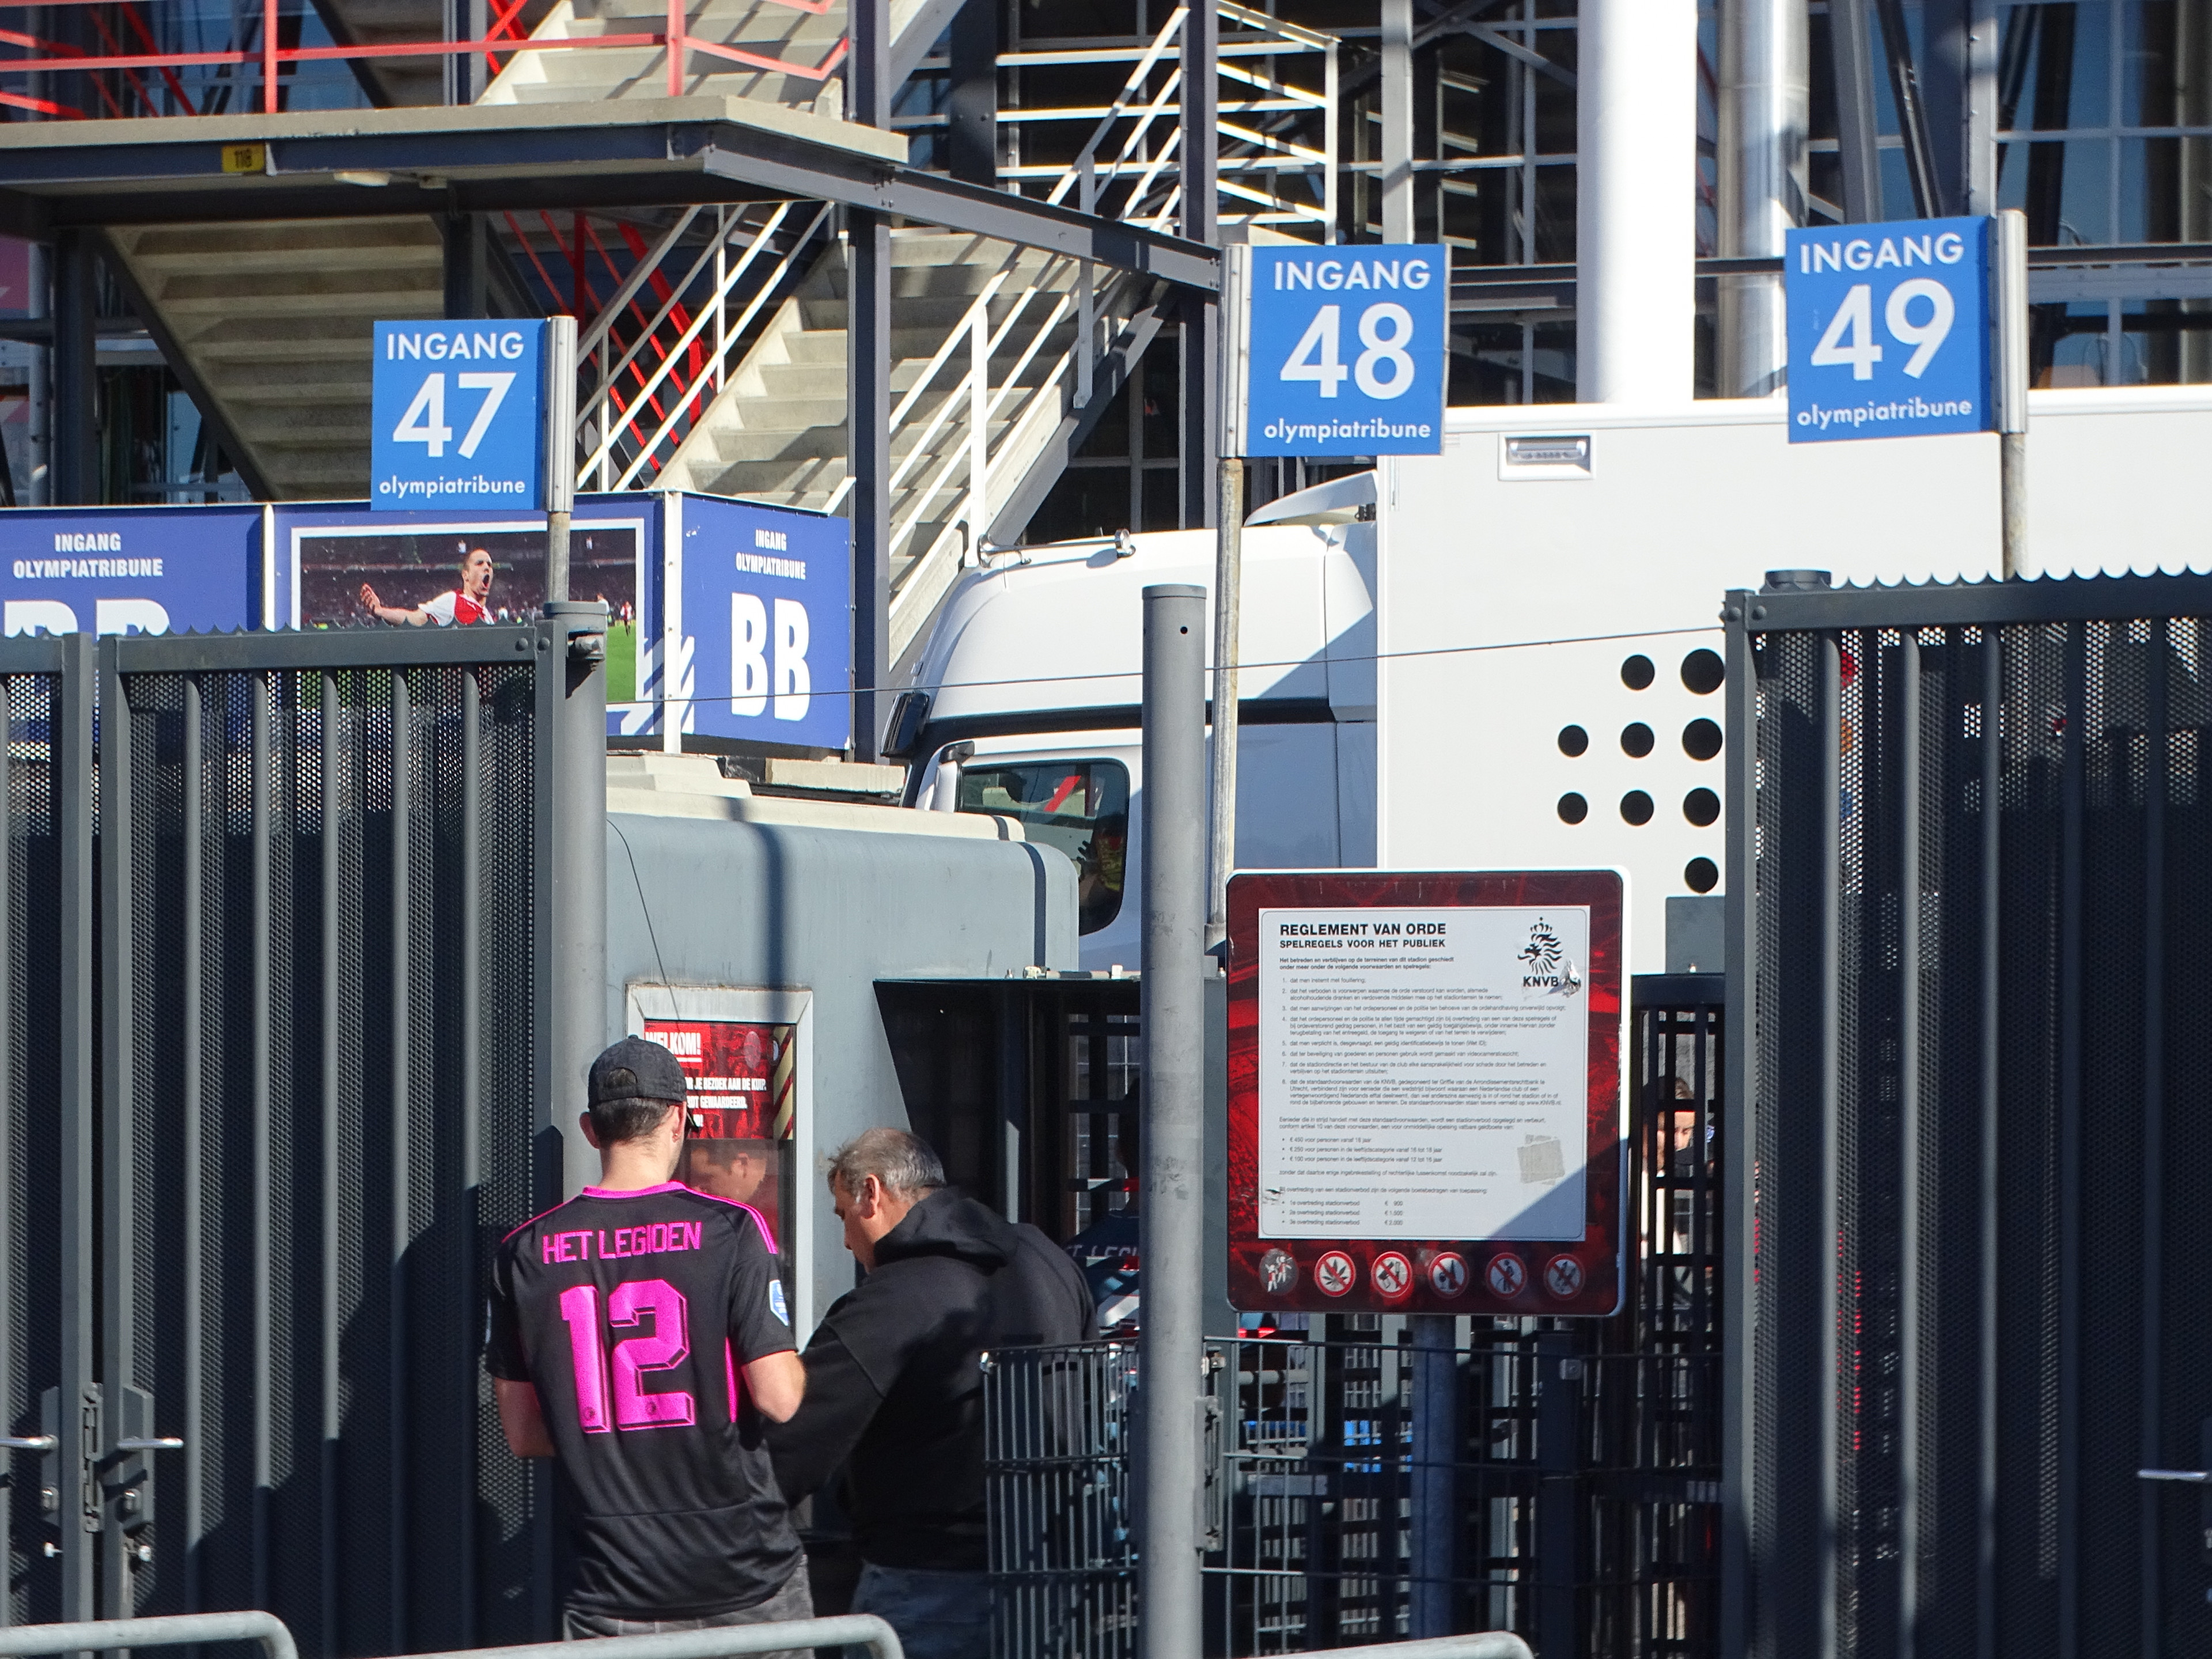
[1636, 807]
[1636, 672]
[1701, 807]
[1573, 809]
[1573, 741]
[1703, 672]
[1701, 875]
[1701, 740]
[1636, 740]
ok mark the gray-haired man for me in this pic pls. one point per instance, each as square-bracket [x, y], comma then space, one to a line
[894, 1392]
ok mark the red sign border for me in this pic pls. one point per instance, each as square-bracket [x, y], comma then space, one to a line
[1602, 1249]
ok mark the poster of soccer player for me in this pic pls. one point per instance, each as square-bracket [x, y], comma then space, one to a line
[358, 569]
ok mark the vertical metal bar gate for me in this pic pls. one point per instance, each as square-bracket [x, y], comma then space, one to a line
[1571, 1493]
[286, 991]
[1971, 868]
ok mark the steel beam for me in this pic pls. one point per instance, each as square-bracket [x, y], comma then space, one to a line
[76, 462]
[972, 106]
[1201, 319]
[136, 178]
[1851, 56]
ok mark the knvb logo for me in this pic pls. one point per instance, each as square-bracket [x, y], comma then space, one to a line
[1550, 967]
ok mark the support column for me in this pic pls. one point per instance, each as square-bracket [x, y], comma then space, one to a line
[868, 397]
[1397, 176]
[1764, 95]
[1201, 317]
[1635, 223]
[972, 110]
[467, 265]
[75, 458]
[38, 480]
[1850, 55]
[1958, 84]
[1172, 1220]
[466, 75]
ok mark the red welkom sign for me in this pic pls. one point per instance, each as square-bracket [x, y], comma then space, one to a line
[1425, 1097]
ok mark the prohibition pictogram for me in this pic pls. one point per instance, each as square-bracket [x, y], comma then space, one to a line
[1563, 1276]
[1448, 1274]
[1393, 1274]
[1279, 1270]
[1507, 1275]
[1335, 1273]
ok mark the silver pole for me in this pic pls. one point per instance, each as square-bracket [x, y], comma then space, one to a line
[1228, 620]
[560, 451]
[1765, 95]
[2009, 253]
[1170, 1229]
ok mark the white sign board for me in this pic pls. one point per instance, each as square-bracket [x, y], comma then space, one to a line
[1424, 1073]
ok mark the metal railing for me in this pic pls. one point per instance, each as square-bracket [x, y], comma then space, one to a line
[1277, 161]
[973, 404]
[128, 48]
[649, 378]
[180, 1630]
[723, 1642]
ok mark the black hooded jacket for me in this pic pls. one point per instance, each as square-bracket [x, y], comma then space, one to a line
[894, 1385]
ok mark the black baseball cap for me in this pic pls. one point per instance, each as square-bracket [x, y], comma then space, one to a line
[636, 1068]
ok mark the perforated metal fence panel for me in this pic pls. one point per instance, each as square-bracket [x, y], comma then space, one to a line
[1971, 861]
[287, 896]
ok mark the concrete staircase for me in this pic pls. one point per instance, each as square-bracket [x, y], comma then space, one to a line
[776, 433]
[270, 322]
[272, 319]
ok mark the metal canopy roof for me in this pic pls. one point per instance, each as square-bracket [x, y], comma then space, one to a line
[476, 159]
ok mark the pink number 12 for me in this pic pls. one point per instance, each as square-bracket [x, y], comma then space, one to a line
[668, 1346]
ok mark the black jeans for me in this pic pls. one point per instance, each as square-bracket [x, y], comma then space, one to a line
[795, 1600]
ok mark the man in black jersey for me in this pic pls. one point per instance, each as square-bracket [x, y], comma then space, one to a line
[639, 1336]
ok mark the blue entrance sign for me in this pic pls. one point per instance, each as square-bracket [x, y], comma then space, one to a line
[132, 569]
[457, 416]
[763, 637]
[1889, 330]
[1343, 352]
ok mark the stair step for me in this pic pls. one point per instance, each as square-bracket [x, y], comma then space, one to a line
[371, 293]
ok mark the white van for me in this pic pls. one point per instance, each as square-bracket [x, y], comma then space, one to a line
[1505, 656]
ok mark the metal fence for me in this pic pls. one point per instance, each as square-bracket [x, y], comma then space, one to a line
[1971, 858]
[284, 973]
[1373, 1477]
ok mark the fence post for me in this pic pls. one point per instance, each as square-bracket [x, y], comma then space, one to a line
[1170, 1217]
[75, 1422]
[572, 896]
[1435, 1454]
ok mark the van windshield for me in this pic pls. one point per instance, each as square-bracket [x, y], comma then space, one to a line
[1082, 807]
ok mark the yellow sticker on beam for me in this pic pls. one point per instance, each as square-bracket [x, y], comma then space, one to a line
[245, 158]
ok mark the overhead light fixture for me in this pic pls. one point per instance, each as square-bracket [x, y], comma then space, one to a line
[367, 178]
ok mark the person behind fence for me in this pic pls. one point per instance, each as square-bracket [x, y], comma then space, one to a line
[894, 1386]
[639, 1336]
